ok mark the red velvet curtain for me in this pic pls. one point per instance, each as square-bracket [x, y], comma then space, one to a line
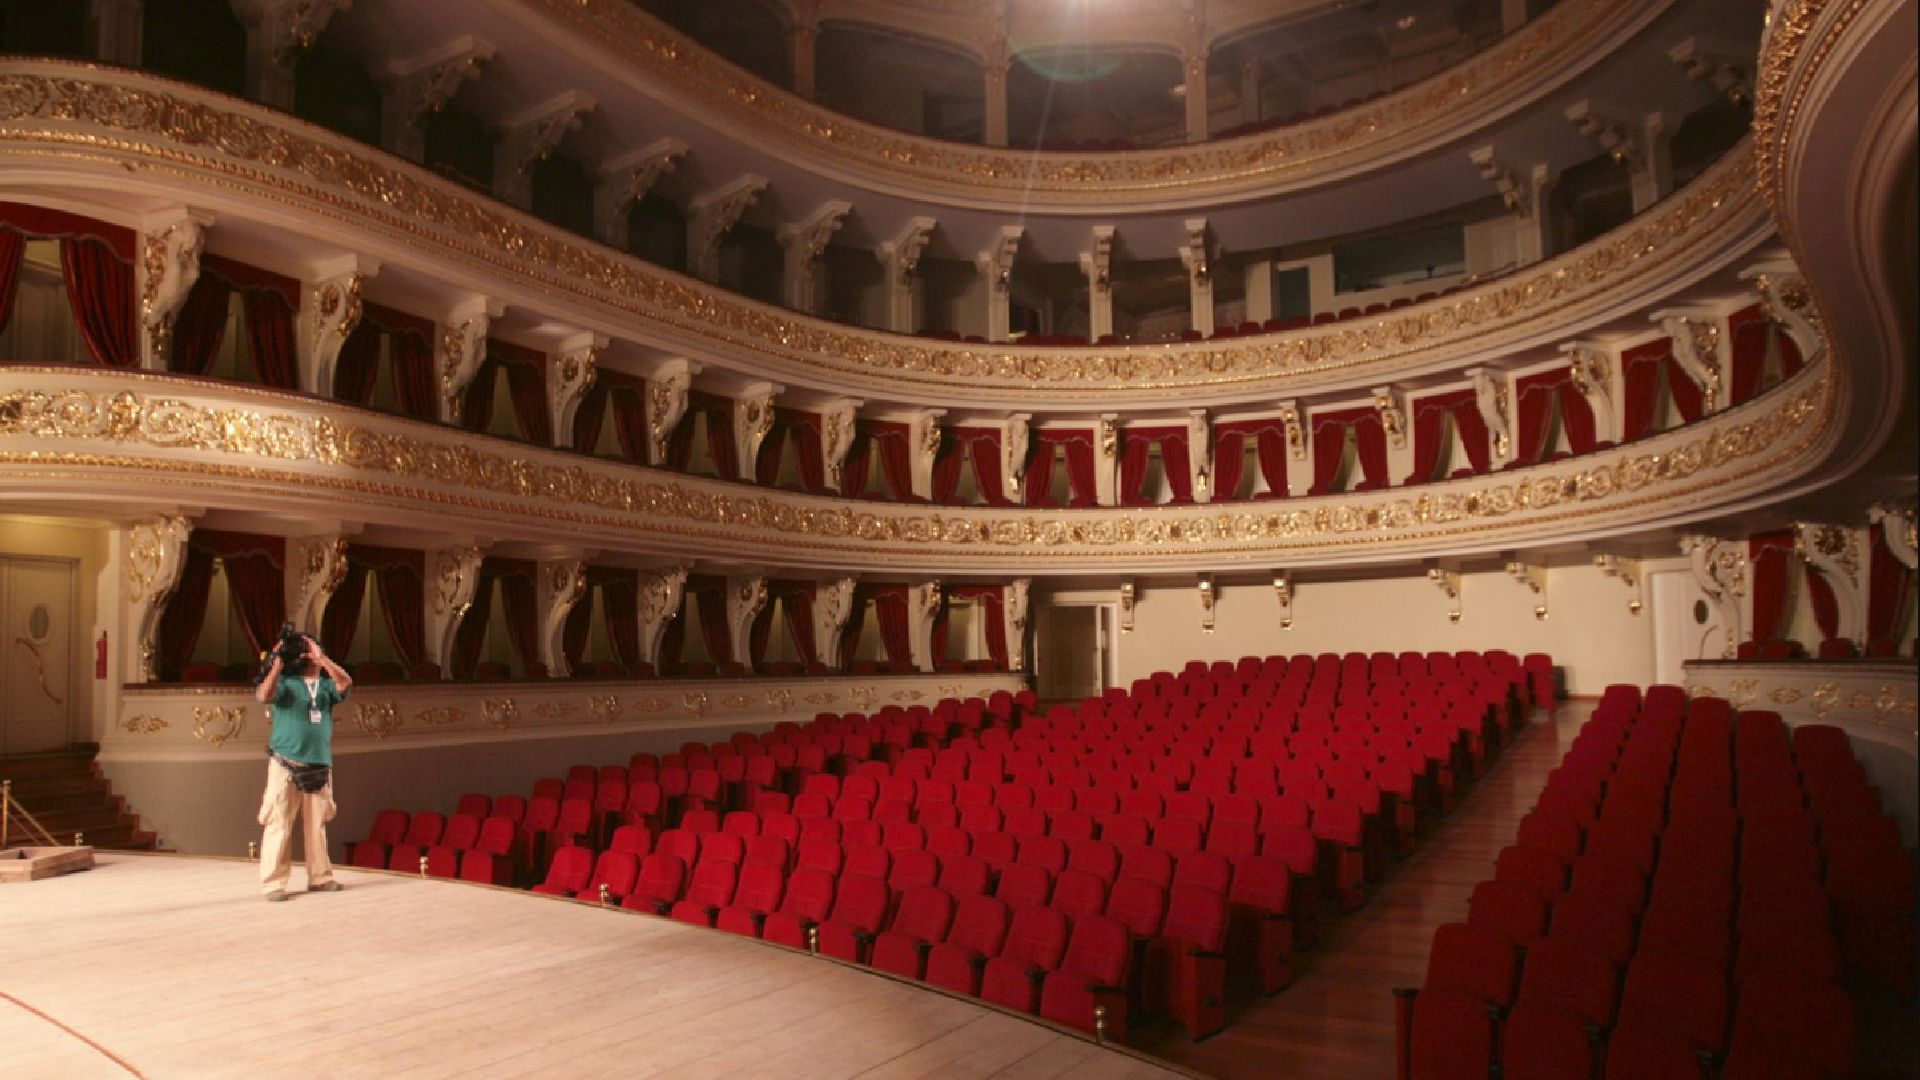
[1432, 435]
[629, 398]
[795, 600]
[256, 579]
[811, 451]
[577, 628]
[773, 450]
[400, 575]
[1826, 607]
[983, 450]
[1039, 478]
[1229, 463]
[1576, 416]
[1770, 558]
[946, 468]
[991, 601]
[270, 339]
[519, 603]
[471, 636]
[356, 371]
[1750, 333]
[1271, 449]
[528, 385]
[1370, 440]
[1475, 439]
[100, 288]
[856, 623]
[185, 615]
[1081, 477]
[890, 610]
[620, 590]
[1331, 432]
[1178, 467]
[13, 248]
[726, 459]
[711, 595]
[476, 409]
[965, 448]
[341, 621]
[1889, 591]
[410, 350]
[853, 469]
[1136, 454]
[200, 326]
[1648, 367]
[1535, 397]
[590, 417]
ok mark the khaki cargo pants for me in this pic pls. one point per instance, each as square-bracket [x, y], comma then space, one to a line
[282, 803]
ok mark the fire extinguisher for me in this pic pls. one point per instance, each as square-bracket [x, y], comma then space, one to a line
[100, 656]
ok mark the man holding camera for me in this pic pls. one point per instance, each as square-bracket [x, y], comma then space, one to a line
[301, 686]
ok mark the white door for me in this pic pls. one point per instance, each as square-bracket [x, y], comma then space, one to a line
[1070, 652]
[1685, 626]
[37, 679]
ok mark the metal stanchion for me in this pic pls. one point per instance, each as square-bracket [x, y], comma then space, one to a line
[1100, 1024]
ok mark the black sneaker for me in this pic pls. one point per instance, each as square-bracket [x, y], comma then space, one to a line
[326, 886]
[277, 896]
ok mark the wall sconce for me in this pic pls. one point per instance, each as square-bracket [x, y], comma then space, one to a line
[1283, 590]
[1628, 571]
[1126, 607]
[1448, 582]
[1534, 577]
[1206, 602]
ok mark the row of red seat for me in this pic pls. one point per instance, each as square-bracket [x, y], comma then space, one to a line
[1204, 827]
[1668, 881]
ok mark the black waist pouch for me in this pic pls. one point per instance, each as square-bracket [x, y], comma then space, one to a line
[308, 779]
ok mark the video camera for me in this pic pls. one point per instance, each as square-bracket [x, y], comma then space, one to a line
[290, 649]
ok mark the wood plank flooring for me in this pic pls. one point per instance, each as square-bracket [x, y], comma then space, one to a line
[179, 968]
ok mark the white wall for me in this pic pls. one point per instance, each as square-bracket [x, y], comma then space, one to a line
[1588, 631]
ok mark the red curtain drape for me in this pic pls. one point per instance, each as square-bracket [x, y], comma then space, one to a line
[100, 288]
[854, 467]
[519, 603]
[890, 611]
[810, 450]
[185, 615]
[620, 590]
[476, 409]
[1535, 399]
[629, 398]
[201, 325]
[270, 339]
[256, 579]
[1889, 592]
[1432, 434]
[964, 448]
[856, 623]
[991, 601]
[720, 447]
[983, 451]
[341, 621]
[894, 444]
[1370, 441]
[1770, 557]
[1229, 463]
[1039, 478]
[1576, 416]
[1271, 449]
[773, 450]
[1081, 478]
[358, 369]
[1826, 607]
[953, 456]
[410, 350]
[471, 636]
[1750, 332]
[1137, 445]
[528, 385]
[1178, 467]
[1331, 433]
[577, 628]
[795, 600]
[1648, 368]
[400, 575]
[711, 595]
[1475, 439]
[590, 417]
[13, 247]
[1134, 458]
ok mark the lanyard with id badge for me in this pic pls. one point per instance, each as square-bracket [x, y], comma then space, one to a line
[313, 705]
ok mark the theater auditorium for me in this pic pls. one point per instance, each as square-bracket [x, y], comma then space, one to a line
[958, 538]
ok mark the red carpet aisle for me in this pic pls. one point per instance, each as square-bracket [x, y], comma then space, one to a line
[179, 969]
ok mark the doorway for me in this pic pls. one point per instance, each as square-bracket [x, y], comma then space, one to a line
[1070, 651]
[37, 602]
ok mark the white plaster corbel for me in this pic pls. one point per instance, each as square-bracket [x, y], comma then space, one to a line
[1629, 574]
[924, 435]
[452, 574]
[1015, 613]
[1296, 432]
[625, 180]
[1490, 397]
[668, 385]
[1897, 530]
[803, 244]
[1718, 66]
[1591, 367]
[746, 598]
[752, 421]
[156, 549]
[996, 269]
[415, 88]
[1720, 570]
[329, 310]
[571, 370]
[712, 215]
[832, 607]
[169, 265]
[661, 593]
[1392, 407]
[315, 567]
[839, 420]
[1699, 346]
[1448, 581]
[1127, 601]
[1014, 445]
[1534, 577]
[923, 604]
[900, 259]
[1196, 256]
[526, 138]
[460, 348]
[560, 583]
[1097, 264]
[1787, 300]
[1839, 554]
[1200, 454]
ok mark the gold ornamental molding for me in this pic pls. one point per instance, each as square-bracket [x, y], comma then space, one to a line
[1561, 44]
[79, 116]
[79, 429]
[1789, 59]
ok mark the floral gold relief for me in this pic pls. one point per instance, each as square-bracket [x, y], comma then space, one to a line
[215, 725]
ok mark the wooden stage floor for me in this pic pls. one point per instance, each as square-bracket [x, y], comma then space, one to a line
[159, 966]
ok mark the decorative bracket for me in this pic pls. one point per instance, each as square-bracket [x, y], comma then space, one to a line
[923, 604]
[1126, 605]
[1534, 577]
[996, 262]
[530, 136]
[1696, 341]
[1200, 453]
[900, 261]
[571, 370]
[923, 434]
[1448, 582]
[1787, 300]
[316, 566]
[1196, 256]
[1720, 570]
[1590, 369]
[413, 90]
[1016, 615]
[329, 311]
[560, 583]
[803, 243]
[1838, 554]
[1283, 591]
[461, 348]
[1209, 600]
[746, 597]
[452, 574]
[1490, 396]
[667, 389]
[838, 424]
[1897, 530]
[660, 594]
[1628, 571]
[712, 215]
[169, 265]
[1717, 67]
[1296, 435]
[156, 549]
[625, 180]
[1392, 407]
[1097, 262]
[1621, 142]
[752, 421]
[832, 607]
[1516, 189]
[1013, 453]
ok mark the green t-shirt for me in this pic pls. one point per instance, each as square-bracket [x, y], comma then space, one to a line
[296, 736]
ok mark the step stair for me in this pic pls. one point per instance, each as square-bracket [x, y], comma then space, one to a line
[65, 792]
